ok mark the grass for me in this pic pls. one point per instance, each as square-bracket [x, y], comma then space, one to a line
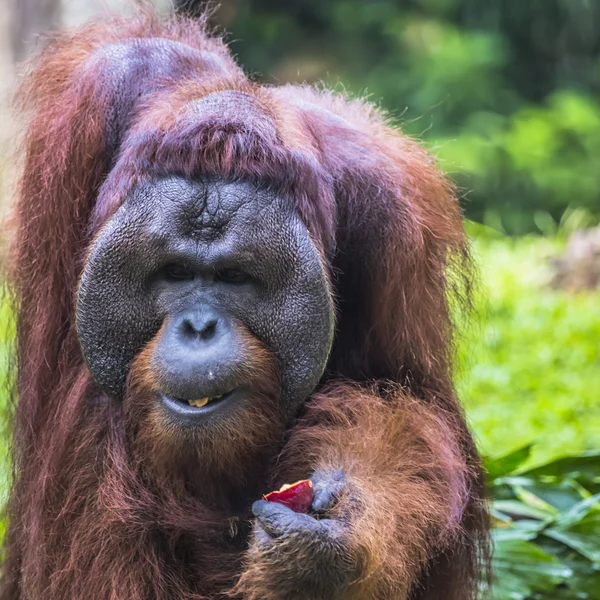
[6, 338]
[532, 369]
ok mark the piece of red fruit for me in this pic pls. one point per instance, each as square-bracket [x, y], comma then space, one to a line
[297, 496]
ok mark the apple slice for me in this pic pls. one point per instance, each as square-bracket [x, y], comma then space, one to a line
[297, 496]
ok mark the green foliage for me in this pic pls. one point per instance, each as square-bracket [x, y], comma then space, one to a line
[547, 527]
[546, 154]
[531, 366]
[531, 374]
[7, 334]
[507, 93]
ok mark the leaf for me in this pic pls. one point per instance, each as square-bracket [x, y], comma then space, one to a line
[534, 501]
[554, 540]
[522, 530]
[584, 468]
[580, 510]
[521, 568]
[507, 464]
[515, 509]
[545, 495]
[580, 529]
[585, 580]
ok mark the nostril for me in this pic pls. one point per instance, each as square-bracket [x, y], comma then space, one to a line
[188, 329]
[209, 330]
[204, 329]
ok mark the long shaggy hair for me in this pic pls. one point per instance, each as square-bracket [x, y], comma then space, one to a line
[102, 505]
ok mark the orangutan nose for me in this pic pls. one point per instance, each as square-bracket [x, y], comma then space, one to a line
[200, 325]
[198, 354]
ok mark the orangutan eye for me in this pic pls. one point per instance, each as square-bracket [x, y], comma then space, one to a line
[178, 272]
[231, 276]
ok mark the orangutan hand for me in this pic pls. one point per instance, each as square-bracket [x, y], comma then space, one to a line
[308, 557]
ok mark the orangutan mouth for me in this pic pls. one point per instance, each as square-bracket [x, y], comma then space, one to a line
[195, 406]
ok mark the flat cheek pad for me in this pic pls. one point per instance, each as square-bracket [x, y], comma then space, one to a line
[116, 315]
[297, 323]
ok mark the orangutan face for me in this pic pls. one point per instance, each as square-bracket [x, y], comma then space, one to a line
[213, 282]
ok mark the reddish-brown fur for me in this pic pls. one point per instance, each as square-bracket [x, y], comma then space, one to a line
[103, 505]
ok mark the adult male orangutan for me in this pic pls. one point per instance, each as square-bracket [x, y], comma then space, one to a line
[222, 287]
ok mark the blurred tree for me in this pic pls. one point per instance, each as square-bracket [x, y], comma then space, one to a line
[506, 92]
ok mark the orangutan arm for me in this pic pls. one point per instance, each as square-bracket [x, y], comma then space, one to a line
[390, 488]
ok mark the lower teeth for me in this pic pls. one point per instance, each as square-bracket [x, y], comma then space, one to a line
[198, 403]
[203, 401]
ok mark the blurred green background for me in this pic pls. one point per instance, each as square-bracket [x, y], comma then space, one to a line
[506, 94]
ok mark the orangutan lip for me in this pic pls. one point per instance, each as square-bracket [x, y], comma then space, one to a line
[195, 407]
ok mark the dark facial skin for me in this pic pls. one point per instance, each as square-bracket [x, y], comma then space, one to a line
[203, 262]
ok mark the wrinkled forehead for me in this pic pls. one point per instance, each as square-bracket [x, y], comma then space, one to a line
[211, 209]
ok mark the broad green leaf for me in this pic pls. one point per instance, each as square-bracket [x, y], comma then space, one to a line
[584, 467]
[582, 535]
[562, 593]
[579, 528]
[507, 464]
[585, 580]
[581, 509]
[516, 509]
[546, 495]
[521, 530]
[536, 502]
[521, 568]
